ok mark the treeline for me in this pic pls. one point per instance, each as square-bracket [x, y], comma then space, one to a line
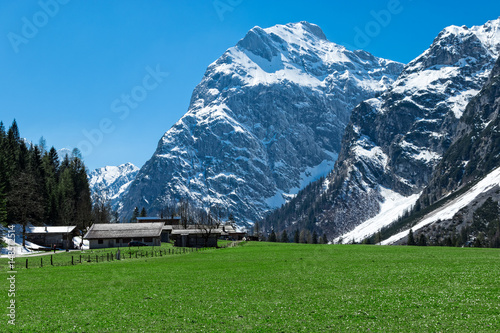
[37, 187]
[304, 236]
[301, 212]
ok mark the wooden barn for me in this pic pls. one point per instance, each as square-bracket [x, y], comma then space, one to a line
[60, 236]
[120, 234]
[191, 237]
[229, 233]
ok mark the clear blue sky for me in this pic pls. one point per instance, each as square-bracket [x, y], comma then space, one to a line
[66, 68]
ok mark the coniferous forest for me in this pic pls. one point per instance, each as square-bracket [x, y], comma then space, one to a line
[39, 187]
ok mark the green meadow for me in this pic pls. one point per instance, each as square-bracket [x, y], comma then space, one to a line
[266, 287]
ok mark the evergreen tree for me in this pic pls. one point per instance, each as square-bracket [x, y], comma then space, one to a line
[23, 202]
[296, 237]
[284, 237]
[143, 212]
[3, 206]
[325, 239]
[67, 202]
[411, 240]
[135, 215]
[272, 237]
[315, 237]
[422, 240]
[83, 204]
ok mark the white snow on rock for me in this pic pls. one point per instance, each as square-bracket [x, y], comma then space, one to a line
[451, 208]
[112, 182]
[392, 207]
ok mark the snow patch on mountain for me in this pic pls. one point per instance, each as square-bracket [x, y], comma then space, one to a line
[112, 182]
[452, 207]
[393, 206]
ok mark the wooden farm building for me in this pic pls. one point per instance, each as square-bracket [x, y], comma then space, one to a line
[61, 236]
[166, 220]
[120, 234]
[228, 232]
[193, 236]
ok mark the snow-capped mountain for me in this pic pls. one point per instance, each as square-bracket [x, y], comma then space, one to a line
[394, 142]
[266, 119]
[112, 182]
[464, 191]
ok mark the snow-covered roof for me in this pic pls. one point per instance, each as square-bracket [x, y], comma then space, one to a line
[124, 230]
[50, 230]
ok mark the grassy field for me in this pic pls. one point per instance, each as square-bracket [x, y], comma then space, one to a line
[267, 287]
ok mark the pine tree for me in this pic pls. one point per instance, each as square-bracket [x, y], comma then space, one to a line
[325, 239]
[284, 237]
[67, 202]
[422, 240]
[272, 237]
[143, 212]
[296, 237]
[411, 240]
[315, 237]
[83, 204]
[3, 206]
[24, 203]
[135, 214]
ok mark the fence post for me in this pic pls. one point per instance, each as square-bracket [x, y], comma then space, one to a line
[96, 258]
[72, 263]
[51, 262]
[80, 258]
[41, 261]
[26, 263]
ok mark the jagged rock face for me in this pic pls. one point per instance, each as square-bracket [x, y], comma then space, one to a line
[267, 118]
[112, 182]
[476, 146]
[396, 140]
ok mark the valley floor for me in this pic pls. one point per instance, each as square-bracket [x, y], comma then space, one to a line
[266, 287]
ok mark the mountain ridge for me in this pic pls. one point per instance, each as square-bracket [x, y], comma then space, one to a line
[267, 117]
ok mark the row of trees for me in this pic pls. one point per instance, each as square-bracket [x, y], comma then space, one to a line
[303, 236]
[36, 187]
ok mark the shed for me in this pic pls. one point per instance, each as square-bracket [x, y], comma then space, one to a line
[196, 237]
[120, 234]
[48, 236]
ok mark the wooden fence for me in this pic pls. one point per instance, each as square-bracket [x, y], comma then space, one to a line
[87, 258]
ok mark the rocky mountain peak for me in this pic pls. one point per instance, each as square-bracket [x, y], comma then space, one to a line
[266, 119]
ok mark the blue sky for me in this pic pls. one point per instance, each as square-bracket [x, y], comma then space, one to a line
[67, 67]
